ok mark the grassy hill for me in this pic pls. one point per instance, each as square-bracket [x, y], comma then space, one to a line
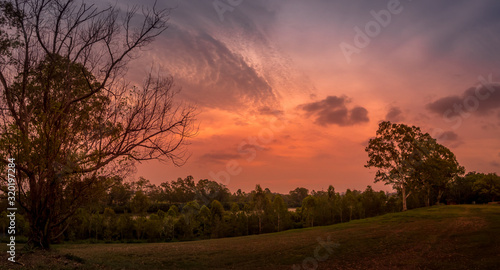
[440, 237]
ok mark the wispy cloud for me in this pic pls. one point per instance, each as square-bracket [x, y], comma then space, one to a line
[218, 157]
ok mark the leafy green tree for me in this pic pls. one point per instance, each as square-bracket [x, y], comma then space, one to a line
[237, 221]
[207, 191]
[161, 214]
[216, 209]
[393, 204]
[166, 192]
[169, 222]
[308, 209]
[280, 212]
[217, 212]
[205, 219]
[153, 227]
[119, 194]
[489, 185]
[190, 212]
[79, 225]
[183, 190]
[235, 208]
[109, 223]
[22, 226]
[259, 203]
[395, 151]
[140, 203]
[326, 212]
[140, 226]
[372, 202]
[351, 201]
[332, 202]
[240, 197]
[97, 224]
[341, 206]
[125, 226]
[67, 120]
[436, 170]
[462, 189]
[143, 185]
[173, 211]
[297, 196]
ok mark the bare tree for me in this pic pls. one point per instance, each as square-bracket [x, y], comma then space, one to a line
[68, 117]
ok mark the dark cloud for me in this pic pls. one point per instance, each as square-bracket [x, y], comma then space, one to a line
[448, 136]
[334, 110]
[481, 100]
[495, 164]
[359, 114]
[328, 102]
[394, 115]
[443, 104]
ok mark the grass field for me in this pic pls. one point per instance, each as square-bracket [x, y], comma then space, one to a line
[440, 237]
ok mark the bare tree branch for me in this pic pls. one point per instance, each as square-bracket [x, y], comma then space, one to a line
[69, 123]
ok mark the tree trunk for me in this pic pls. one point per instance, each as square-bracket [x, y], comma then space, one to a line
[40, 241]
[43, 212]
[40, 234]
[428, 202]
[278, 222]
[405, 196]
[440, 193]
[96, 232]
[248, 224]
[260, 224]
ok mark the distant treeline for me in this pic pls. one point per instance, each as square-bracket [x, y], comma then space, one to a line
[187, 210]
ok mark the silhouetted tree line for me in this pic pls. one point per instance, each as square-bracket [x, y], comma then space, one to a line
[186, 210]
[473, 188]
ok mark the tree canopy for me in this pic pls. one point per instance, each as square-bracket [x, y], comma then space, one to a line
[408, 159]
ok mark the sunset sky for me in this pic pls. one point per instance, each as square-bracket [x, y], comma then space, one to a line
[282, 105]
